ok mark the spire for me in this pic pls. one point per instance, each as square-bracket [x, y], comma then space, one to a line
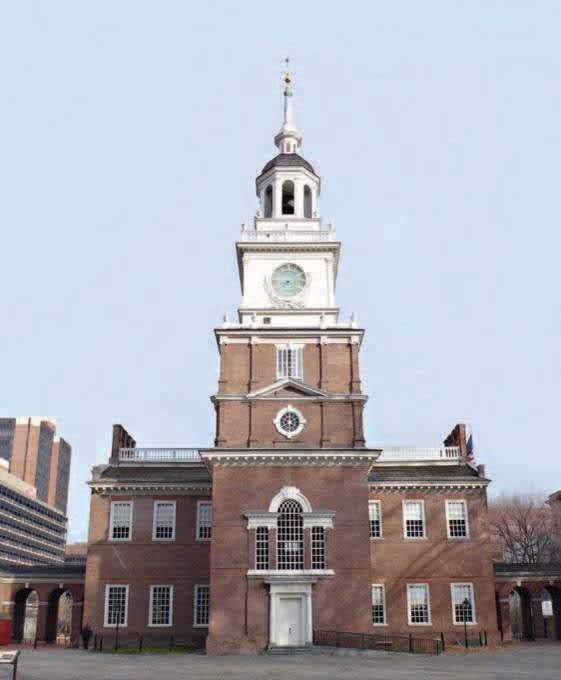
[288, 139]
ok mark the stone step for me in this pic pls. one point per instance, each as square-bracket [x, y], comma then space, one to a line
[307, 649]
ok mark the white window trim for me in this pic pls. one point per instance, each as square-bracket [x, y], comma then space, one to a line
[383, 587]
[376, 538]
[150, 607]
[280, 414]
[154, 537]
[106, 610]
[199, 503]
[457, 500]
[195, 598]
[427, 623]
[414, 538]
[111, 517]
[473, 609]
[296, 347]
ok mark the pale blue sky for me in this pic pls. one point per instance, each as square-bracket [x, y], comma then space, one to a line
[130, 137]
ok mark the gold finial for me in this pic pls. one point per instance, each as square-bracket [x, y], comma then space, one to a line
[287, 77]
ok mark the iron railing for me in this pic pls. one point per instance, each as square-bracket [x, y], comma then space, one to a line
[380, 641]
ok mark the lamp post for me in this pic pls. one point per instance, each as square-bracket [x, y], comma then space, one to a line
[118, 612]
[466, 607]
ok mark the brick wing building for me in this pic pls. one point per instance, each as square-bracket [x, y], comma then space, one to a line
[289, 524]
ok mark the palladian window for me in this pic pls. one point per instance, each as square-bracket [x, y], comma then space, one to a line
[290, 536]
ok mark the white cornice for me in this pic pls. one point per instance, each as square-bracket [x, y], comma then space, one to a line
[290, 457]
[333, 397]
[148, 489]
[426, 484]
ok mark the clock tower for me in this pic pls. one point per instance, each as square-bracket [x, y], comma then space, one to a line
[290, 467]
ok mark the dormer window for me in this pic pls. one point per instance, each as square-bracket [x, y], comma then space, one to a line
[288, 198]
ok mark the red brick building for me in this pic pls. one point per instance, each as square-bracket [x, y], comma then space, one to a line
[289, 524]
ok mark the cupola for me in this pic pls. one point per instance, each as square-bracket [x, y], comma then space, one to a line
[288, 187]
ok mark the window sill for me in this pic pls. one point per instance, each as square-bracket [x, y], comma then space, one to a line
[200, 625]
[163, 540]
[380, 625]
[160, 625]
[291, 572]
[458, 538]
[114, 625]
[468, 623]
[376, 538]
[415, 538]
[425, 623]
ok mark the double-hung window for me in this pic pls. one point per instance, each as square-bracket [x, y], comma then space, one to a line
[164, 521]
[204, 520]
[161, 606]
[318, 548]
[201, 606]
[457, 519]
[289, 362]
[418, 604]
[378, 605]
[116, 605]
[463, 604]
[375, 519]
[262, 548]
[414, 519]
[120, 523]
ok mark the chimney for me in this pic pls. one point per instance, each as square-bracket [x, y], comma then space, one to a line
[121, 440]
[458, 438]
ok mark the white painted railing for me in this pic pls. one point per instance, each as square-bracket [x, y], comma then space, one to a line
[287, 235]
[159, 455]
[427, 453]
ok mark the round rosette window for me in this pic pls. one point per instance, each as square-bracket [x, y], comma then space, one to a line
[289, 421]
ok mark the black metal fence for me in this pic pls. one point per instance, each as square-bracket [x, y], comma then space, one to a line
[389, 643]
[139, 642]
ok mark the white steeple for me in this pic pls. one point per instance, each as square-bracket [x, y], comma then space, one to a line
[288, 262]
[288, 139]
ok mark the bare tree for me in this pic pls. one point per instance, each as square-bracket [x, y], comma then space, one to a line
[522, 529]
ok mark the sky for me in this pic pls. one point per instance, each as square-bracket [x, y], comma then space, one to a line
[130, 136]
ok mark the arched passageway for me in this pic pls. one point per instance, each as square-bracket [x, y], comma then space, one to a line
[26, 610]
[551, 612]
[59, 615]
[520, 608]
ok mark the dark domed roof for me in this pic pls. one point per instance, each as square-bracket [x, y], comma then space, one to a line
[288, 160]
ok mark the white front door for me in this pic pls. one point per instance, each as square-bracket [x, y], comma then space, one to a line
[289, 622]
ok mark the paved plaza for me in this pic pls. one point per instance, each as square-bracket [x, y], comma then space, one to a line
[536, 661]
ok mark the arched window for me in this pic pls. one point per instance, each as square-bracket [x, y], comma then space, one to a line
[290, 536]
[307, 201]
[269, 201]
[288, 198]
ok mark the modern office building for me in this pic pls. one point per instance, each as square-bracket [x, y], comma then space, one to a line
[38, 456]
[31, 531]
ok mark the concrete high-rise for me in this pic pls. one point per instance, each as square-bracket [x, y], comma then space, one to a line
[38, 456]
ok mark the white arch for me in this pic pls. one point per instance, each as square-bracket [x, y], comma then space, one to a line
[286, 493]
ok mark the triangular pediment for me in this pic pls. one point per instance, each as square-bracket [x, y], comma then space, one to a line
[287, 387]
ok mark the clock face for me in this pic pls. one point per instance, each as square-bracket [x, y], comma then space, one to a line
[288, 280]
